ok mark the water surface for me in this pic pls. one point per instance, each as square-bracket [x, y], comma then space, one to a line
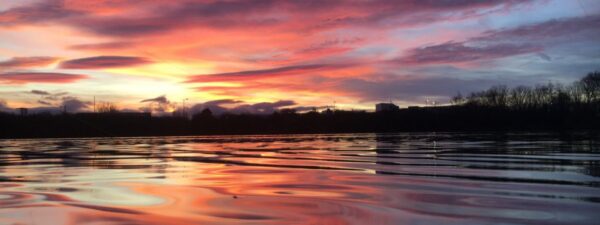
[420, 178]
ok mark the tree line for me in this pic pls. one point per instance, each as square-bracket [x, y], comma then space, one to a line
[548, 107]
[585, 92]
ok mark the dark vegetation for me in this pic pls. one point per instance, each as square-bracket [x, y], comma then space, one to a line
[549, 107]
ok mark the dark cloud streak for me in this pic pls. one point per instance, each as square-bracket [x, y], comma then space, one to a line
[453, 52]
[549, 30]
[40, 92]
[99, 62]
[160, 99]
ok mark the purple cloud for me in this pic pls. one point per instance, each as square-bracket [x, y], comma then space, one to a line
[48, 98]
[262, 107]
[159, 106]
[44, 102]
[160, 99]
[217, 107]
[534, 38]
[103, 62]
[26, 62]
[456, 52]
[569, 28]
[72, 104]
[42, 11]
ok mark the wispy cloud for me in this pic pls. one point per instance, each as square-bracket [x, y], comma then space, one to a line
[453, 52]
[164, 16]
[500, 43]
[103, 46]
[249, 74]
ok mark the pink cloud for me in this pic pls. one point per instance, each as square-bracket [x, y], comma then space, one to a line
[163, 16]
[39, 77]
[254, 74]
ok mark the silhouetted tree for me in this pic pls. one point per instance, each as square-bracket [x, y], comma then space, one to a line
[519, 97]
[205, 114]
[590, 85]
[106, 107]
[287, 111]
[458, 99]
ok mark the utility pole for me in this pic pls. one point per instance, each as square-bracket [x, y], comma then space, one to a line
[94, 104]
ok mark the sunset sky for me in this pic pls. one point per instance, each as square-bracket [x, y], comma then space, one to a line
[268, 54]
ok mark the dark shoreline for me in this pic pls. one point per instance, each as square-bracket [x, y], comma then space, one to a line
[424, 119]
[561, 135]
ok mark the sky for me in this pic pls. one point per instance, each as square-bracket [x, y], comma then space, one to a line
[264, 55]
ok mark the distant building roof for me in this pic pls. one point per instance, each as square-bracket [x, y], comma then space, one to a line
[386, 107]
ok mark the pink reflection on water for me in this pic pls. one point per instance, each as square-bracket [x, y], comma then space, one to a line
[353, 179]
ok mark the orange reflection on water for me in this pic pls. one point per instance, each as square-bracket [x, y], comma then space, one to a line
[305, 179]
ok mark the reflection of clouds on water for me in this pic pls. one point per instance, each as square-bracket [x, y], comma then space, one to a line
[346, 178]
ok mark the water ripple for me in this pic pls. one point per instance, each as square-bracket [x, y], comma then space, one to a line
[412, 178]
